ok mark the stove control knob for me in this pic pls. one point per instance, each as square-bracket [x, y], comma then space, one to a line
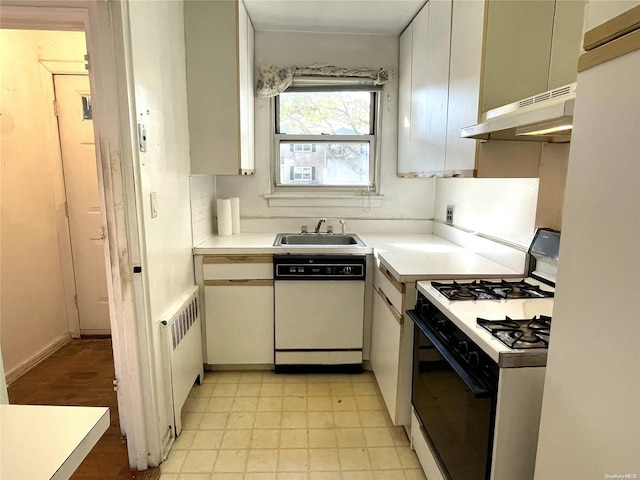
[463, 348]
[474, 359]
[442, 326]
[347, 270]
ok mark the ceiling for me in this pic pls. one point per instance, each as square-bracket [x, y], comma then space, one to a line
[382, 17]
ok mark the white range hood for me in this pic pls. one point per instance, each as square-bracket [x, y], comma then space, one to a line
[546, 117]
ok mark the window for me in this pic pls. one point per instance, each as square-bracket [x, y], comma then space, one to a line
[302, 174]
[325, 137]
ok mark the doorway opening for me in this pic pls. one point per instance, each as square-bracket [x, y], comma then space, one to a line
[38, 183]
[53, 258]
[105, 25]
[54, 276]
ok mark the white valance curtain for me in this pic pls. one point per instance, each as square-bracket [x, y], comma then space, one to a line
[273, 80]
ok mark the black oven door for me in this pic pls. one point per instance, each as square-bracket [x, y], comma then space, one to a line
[457, 411]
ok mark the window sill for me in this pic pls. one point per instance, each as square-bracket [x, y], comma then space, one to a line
[323, 200]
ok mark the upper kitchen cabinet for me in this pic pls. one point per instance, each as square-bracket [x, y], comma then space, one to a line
[424, 90]
[498, 52]
[220, 78]
[601, 11]
[517, 47]
[465, 67]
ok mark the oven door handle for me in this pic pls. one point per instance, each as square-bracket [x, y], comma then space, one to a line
[477, 388]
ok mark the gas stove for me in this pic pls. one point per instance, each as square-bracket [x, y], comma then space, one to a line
[519, 333]
[483, 341]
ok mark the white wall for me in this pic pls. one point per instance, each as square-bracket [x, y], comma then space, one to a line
[546, 161]
[590, 425]
[159, 78]
[33, 316]
[503, 208]
[159, 75]
[203, 193]
[404, 198]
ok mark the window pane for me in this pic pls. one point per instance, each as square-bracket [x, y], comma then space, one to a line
[329, 163]
[325, 113]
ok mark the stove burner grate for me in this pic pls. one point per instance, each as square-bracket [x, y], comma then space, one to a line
[490, 290]
[525, 333]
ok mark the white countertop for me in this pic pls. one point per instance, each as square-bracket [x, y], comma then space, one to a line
[464, 313]
[429, 257]
[39, 442]
[409, 257]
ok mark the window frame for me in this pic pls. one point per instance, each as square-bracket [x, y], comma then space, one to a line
[372, 139]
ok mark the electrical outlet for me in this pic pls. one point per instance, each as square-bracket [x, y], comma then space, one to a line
[449, 219]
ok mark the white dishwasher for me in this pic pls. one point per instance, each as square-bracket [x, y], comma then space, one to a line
[319, 312]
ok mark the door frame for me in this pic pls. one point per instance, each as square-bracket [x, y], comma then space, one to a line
[112, 88]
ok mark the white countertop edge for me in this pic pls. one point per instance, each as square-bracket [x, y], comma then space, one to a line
[409, 257]
[30, 432]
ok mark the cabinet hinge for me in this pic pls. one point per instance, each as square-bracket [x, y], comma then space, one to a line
[115, 384]
[55, 108]
[75, 299]
[66, 209]
[87, 65]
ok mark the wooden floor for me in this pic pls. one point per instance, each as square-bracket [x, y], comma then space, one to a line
[82, 373]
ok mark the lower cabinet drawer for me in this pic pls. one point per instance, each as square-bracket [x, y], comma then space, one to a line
[234, 267]
[390, 286]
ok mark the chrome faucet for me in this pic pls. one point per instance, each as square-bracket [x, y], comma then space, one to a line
[322, 220]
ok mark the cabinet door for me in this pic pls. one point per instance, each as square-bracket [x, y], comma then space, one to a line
[404, 103]
[419, 89]
[218, 44]
[386, 332]
[239, 323]
[246, 74]
[429, 88]
[511, 74]
[465, 67]
[437, 85]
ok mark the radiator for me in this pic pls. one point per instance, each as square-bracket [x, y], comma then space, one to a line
[183, 354]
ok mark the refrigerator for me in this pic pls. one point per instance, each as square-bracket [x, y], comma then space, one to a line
[590, 425]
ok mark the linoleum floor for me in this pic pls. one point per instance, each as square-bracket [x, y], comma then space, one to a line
[267, 426]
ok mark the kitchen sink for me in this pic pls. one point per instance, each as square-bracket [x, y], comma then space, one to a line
[318, 239]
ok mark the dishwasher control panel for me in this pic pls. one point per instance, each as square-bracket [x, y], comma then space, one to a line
[318, 267]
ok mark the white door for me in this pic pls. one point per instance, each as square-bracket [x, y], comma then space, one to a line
[83, 200]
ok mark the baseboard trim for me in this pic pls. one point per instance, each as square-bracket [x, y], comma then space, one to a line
[27, 365]
[95, 333]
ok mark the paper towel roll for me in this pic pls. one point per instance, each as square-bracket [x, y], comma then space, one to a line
[235, 214]
[224, 217]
